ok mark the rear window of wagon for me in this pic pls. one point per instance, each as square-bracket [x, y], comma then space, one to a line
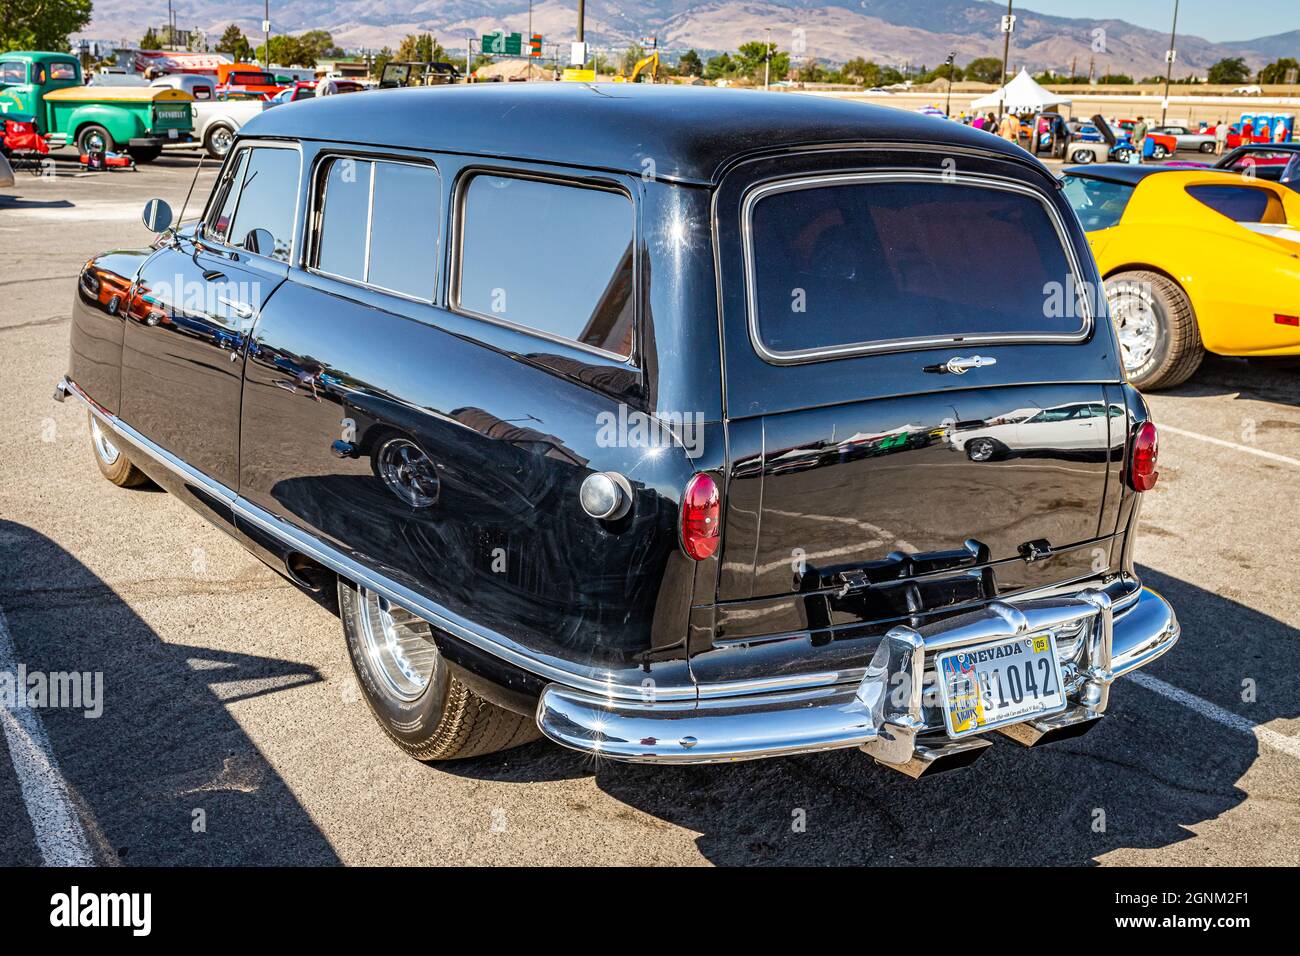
[857, 263]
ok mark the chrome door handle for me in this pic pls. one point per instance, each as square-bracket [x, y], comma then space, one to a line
[241, 309]
[959, 365]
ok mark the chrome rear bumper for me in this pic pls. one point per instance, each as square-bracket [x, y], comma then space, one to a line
[886, 713]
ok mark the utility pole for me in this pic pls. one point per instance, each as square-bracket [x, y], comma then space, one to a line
[947, 103]
[1008, 24]
[266, 32]
[767, 59]
[1074, 67]
[1169, 65]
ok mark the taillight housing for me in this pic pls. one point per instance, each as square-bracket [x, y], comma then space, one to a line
[1144, 451]
[701, 517]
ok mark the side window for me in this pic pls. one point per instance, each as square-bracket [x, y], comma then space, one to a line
[579, 289]
[264, 210]
[1240, 203]
[13, 71]
[63, 71]
[379, 224]
[218, 225]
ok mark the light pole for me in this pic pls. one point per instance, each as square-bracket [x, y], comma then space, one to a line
[767, 59]
[947, 103]
[1008, 24]
[1169, 65]
[266, 32]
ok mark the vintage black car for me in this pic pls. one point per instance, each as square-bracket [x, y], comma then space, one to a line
[657, 419]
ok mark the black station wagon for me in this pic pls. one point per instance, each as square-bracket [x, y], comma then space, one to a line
[679, 425]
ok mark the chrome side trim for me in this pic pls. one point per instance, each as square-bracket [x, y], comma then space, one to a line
[777, 357]
[608, 684]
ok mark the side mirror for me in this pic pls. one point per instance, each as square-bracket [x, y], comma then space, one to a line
[260, 242]
[157, 215]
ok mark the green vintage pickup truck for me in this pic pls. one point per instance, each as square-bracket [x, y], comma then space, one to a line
[48, 88]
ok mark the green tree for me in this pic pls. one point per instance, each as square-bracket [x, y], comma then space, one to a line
[631, 57]
[381, 60]
[287, 51]
[1116, 79]
[719, 67]
[940, 72]
[690, 64]
[40, 24]
[320, 43]
[420, 48]
[235, 44]
[985, 69]
[1232, 69]
[1276, 72]
[751, 56]
[150, 40]
[863, 72]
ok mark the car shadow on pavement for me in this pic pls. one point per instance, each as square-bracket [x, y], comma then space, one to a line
[14, 202]
[1149, 773]
[1258, 380]
[166, 754]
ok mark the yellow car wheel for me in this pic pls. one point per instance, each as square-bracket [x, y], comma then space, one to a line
[1160, 342]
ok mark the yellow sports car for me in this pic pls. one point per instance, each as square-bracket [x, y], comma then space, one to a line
[1194, 260]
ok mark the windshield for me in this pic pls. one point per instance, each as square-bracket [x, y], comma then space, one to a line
[1098, 204]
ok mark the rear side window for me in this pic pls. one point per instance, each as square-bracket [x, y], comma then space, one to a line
[1097, 203]
[840, 266]
[549, 257]
[63, 71]
[13, 71]
[379, 225]
[1239, 203]
[258, 200]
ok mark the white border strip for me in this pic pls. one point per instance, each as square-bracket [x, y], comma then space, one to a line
[46, 793]
[1271, 456]
[1288, 745]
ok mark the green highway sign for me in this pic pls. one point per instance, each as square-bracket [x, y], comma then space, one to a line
[498, 41]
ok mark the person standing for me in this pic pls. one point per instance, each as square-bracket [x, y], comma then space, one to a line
[1010, 127]
[1220, 137]
[1139, 134]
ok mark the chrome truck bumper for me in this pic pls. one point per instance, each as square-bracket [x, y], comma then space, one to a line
[891, 711]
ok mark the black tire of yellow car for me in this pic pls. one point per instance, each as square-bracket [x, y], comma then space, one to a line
[87, 133]
[1178, 350]
[144, 154]
[119, 470]
[448, 721]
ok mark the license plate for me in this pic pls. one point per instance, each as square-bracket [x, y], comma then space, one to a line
[1002, 683]
[171, 134]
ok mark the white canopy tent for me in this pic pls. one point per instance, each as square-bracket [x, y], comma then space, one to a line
[1021, 95]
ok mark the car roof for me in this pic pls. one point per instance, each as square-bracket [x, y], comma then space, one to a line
[688, 133]
[1127, 173]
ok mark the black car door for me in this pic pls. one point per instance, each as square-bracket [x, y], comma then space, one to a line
[197, 300]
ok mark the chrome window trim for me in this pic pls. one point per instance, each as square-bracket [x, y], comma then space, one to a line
[294, 240]
[316, 208]
[800, 356]
[467, 176]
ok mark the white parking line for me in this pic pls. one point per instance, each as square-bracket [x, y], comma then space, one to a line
[1271, 456]
[1288, 745]
[59, 834]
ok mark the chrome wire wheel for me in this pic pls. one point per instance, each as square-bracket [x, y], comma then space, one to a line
[1135, 322]
[980, 450]
[398, 645]
[108, 452]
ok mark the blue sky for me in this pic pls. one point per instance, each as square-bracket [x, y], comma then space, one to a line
[1212, 19]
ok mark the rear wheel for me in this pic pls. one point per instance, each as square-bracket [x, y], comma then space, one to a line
[95, 135]
[113, 465]
[1158, 152]
[1123, 155]
[410, 689]
[1207, 147]
[144, 154]
[1160, 342]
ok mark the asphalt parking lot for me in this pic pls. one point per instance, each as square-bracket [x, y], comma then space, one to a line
[233, 732]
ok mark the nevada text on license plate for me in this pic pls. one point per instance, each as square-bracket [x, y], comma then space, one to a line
[999, 683]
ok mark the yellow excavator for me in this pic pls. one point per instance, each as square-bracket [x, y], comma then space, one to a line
[650, 62]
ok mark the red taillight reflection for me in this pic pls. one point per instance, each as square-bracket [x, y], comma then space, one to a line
[701, 517]
[1142, 460]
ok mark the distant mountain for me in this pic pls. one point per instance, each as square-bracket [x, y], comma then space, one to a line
[889, 31]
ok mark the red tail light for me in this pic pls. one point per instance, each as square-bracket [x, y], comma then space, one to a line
[701, 517]
[1143, 457]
